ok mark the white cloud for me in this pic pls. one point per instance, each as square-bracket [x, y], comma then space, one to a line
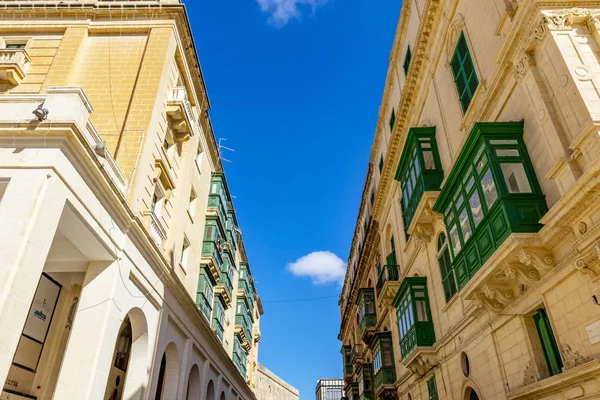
[323, 267]
[282, 11]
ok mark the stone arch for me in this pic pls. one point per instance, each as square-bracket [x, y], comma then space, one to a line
[471, 391]
[193, 385]
[210, 391]
[128, 375]
[168, 375]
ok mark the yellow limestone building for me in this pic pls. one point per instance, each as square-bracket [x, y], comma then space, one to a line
[123, 274]
[474, 271]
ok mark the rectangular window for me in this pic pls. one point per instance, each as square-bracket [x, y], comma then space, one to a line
[3, 186]
[464, 73]
[16, 45]
[548, 342]
[407, 61]
[185, 250]
[192, 204]
[392, 119]
[432, 388]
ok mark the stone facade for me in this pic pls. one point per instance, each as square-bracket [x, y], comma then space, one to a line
[123, 270]
[468, 279]
[271, 387]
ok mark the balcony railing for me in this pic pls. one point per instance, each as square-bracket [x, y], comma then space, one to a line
[420, 334]
[13, 65]
[388, 273]
[157, 231]
[180, 111]
[385, 376]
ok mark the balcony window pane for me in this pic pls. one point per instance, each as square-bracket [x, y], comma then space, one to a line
[507, 152]
[421, 311]
[454, 239]
[503, 141]
[481, 164]
[489, 189]
[429, 160]
[465, 224]
[476, 208]
[515, 178]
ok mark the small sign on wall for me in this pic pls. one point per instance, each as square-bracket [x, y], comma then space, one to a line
[593, 332]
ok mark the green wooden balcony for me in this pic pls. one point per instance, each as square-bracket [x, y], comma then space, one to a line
[384, 368]
[243, 324]
[365, 382]
[347, 363]
[419, 171]
[357, 353]
[415, 324]
[367, 314]
[491, 194]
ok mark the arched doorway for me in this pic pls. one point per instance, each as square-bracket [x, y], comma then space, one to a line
[168, 374]
[128, 374]
[210, 391]
[193, 387]
[222, 396]
[471, 394]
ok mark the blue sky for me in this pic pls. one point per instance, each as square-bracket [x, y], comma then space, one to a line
[295, 88]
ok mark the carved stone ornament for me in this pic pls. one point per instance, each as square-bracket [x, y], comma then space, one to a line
[525, 276]
[423, 232]
[524, 62]
[421, 365]
[563, 19]
[489, 304]
[573, 358]
[453, 34]
[589, 264]
[529, 374]
[540, 262]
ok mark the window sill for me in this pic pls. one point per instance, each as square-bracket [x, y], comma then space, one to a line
[560, 382]
[190, 216]
[183, 268]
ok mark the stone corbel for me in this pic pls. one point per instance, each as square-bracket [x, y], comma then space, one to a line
[488, 303]
[422, 363]
[423, 232]
[542, 262]
[592, 23]
[501, 293]
[525, 276]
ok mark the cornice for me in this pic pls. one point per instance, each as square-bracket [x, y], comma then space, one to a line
[130, 13]
[361, 211]
[416, 74]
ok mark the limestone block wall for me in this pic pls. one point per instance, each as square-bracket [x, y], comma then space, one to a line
[271, 387]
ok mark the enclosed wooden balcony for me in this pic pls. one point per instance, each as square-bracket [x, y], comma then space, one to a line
[384, 376]
[367, 314]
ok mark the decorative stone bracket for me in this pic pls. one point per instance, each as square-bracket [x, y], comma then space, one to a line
[589, 264]
[421, 361]
[180, 112]
[421, 226]
[516, 266]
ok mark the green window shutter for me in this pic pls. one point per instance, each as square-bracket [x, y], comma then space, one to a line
[392, 120]
[432, 388]
[464, 73]
[549, 345]
[407, 60]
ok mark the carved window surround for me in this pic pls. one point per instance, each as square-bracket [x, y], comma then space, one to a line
[568, 380]
[519, 263]
[180, 111]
